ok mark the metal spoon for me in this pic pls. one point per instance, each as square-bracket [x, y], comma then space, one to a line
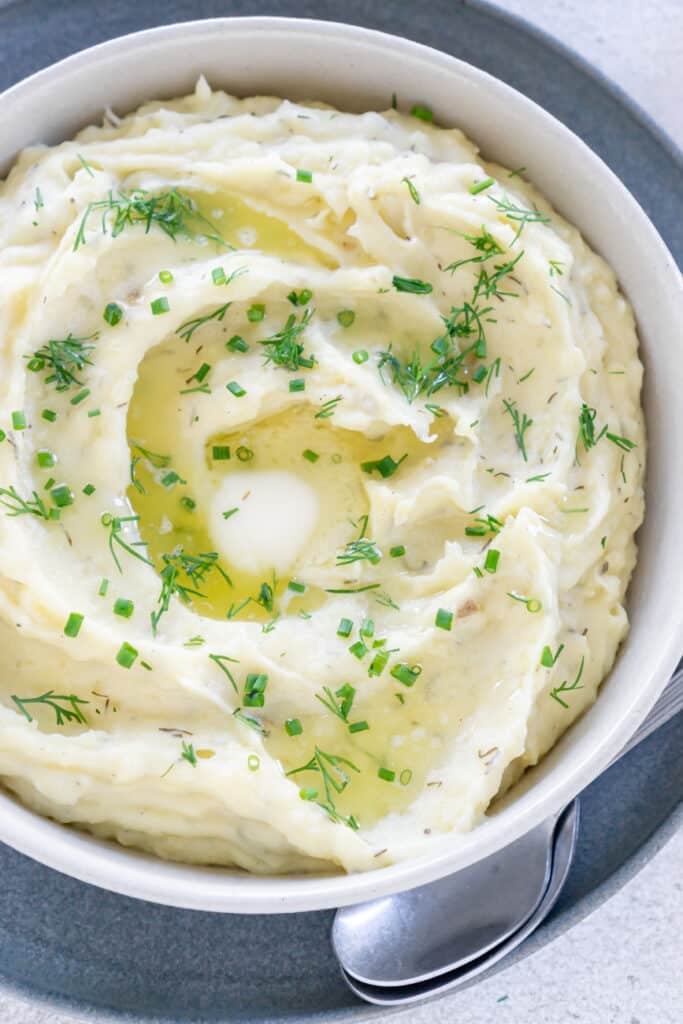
[499, 901]
[400, 995]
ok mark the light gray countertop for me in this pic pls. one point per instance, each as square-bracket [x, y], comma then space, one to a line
[621, 965]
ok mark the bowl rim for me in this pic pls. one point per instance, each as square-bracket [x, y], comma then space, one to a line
[134, 873]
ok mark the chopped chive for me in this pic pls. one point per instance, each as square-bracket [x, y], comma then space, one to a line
[218, 275]
[50, 483]
[444, 619]
[188, 503]
[73, 625]
[378, 663]
[80, 397]
[367, 627]
[414, 194]
[532, 604]
[548, 659]
[412, 285]
[358, 650]
[296, 587]
[305, 176]
[237, 344]
[359, 726]
[256, 313]
[103, 588]
[345, 317]
[94, 412]
[422, 113]
[159, 306]
[307, 793]
[255, 690]
[19, 420]
[386, 774]
[481, 186]
[202, 373]
[89, 489]
[310, 456]
[492, 559]
[46, 459]
[220, 452]
[344, 628]
[299, 384]
[62, 496]
[301, 298]
[386, 466]
[113, 314]
[405, 777]
[236, 389]
[244, 454]
[360, 356]
[293, 727]
[124, 607]
[253, 762]
[406, 674]
[49, 414]
[230, 512]
[3, 435]
[397, 551]
[127, 655]
[172, 478]
[166, 277]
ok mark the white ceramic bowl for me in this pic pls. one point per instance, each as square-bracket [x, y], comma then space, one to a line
[358, 70]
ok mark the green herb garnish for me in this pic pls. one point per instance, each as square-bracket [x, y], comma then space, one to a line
[66, 708]
[521, 424]
[566, 687]
[63, 358]
[174, 213]
[412, 285]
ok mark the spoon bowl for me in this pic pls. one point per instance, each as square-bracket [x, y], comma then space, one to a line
[451, 922]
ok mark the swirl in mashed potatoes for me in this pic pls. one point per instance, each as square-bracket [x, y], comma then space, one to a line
[321, 463]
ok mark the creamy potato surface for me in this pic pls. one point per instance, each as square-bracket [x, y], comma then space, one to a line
[321, 463]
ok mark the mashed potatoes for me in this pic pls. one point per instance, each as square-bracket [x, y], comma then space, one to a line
[321, 462]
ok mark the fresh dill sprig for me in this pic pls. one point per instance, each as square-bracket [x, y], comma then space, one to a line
[359, 551]
[589, 437]
[156, 460]
[194, 568]
[416, 377]
[18, 506]
[284, 347]
[488, 284]
[63, 358]
[486, 246]
[386, 600]
[328, 408]
[342, 707]
[521, 424]
[219, 660]
[115, 526]
[186, 330]
[566, 687]
[484, 525]
[335, 778]
[66, 708]
[173, 212]
[518, 214]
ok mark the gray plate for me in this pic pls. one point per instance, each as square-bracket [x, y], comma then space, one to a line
[107, 956]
